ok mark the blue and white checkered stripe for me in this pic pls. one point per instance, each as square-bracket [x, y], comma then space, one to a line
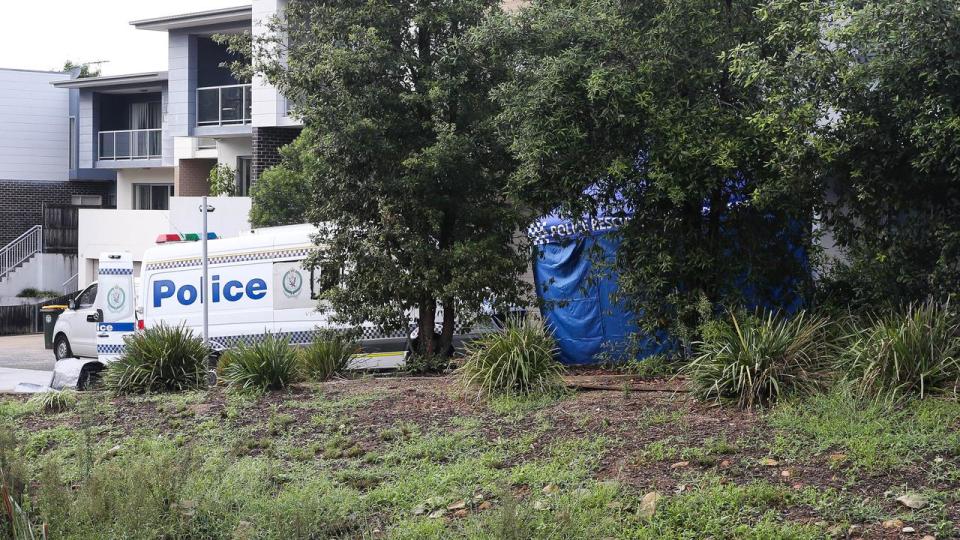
[234, 258]
[110, 349]
[115, 271]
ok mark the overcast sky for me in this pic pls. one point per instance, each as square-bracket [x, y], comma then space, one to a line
[42, 34]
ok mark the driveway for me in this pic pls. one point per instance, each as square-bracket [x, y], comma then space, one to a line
[24, 360]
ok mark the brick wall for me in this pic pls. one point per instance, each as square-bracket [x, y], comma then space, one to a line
[21, 202]
[191, 177]
[267, 142]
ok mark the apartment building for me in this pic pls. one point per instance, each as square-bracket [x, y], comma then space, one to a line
[41, 183]
[161, 133]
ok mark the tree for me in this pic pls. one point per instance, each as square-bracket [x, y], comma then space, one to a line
[282, 194]
[636, 102]
[873, 86]
[85, 69]
[406, 170]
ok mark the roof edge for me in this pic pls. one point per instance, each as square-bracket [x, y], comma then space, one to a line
[199, 18]
[112, 80]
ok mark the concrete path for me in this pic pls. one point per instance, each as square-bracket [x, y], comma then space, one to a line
[24, 360]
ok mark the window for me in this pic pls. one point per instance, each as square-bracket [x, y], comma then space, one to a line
[152, 196]
[244, 175]
[87, 297]
[206, 143]
[72, 143]
[323, 277]
[86, 200]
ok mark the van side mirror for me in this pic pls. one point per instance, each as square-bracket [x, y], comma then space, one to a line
[95, 317]
[71, 304]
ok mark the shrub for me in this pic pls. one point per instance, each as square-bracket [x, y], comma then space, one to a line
[912, 353]
[755, 360]
[518, 360]
[54, 401]
[329, 355]
[270, 364]
[223, 181]
[158, 359]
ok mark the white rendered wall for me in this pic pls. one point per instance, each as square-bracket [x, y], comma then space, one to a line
[229, 149]
[126, 178]
[46, 272]
[269, 107]
[116, 230]
[34, 117]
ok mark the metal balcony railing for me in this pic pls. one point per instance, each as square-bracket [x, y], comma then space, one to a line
[131, 144]
[223, 105]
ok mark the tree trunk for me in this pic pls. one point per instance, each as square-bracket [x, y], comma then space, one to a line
[428, 315]
[446, 333]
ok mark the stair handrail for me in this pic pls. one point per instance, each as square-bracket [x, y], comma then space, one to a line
[20, 249]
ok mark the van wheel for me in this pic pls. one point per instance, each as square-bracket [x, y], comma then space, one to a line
[89, 376]
[61, 348]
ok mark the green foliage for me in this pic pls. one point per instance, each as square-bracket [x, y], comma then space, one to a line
[405, 163]
[635, 100]
[518, 360]
[328, 356]
[53, 402]
[223, 181]
[30, 292]
[85, 69]
[159, 359]
[283, 194]
[756, 360]
[868, 87]
[911, 352]
[269, 364]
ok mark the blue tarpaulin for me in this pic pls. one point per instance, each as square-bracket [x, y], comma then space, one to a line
[576, 280]
[574, 273]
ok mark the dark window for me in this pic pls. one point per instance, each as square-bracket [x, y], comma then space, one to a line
[87, 297]
[152, 196]
[323, 277]
[244, 175]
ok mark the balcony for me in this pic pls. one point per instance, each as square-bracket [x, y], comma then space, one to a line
[130, 144]
[224, 105]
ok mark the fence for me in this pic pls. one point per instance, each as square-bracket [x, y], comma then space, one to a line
[26, 318]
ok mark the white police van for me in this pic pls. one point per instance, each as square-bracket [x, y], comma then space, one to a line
[258, 285]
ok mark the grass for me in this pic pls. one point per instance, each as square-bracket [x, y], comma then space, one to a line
[868, 434]
[327, 357]
[913, 353]
[756, 360]
[343, 460]
[159, 359]
[270, 364]
[518, 360]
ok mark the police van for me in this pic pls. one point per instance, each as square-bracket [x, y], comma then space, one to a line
[259, 285]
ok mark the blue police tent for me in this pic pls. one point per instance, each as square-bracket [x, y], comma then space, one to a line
[576, 280]
[573, 269]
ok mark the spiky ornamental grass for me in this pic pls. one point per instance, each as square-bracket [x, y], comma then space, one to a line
[912, 353]
[159, 359]
[54, 402]
[269, 364]
[519, 360]
[328, 356]
[756, 360]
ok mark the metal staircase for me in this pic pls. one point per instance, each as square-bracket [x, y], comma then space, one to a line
[20, 250]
